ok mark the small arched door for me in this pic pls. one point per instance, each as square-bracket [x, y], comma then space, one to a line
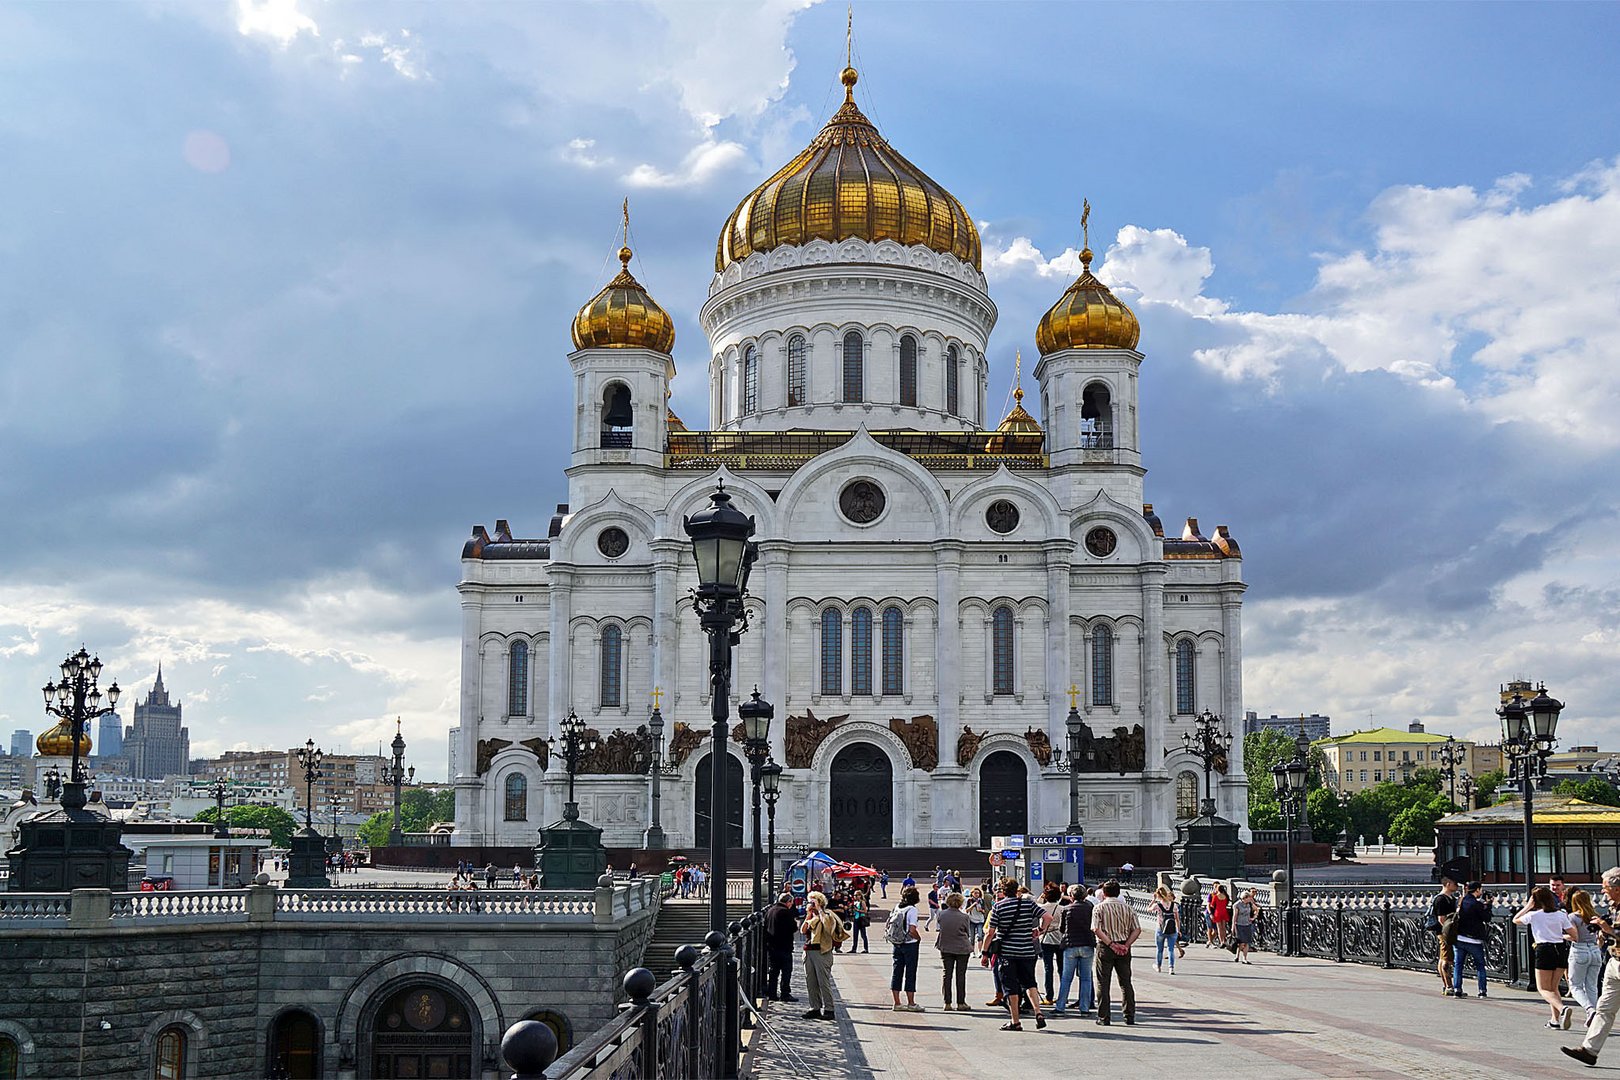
[295, 1046]
[734, 802]
[862, 810]
[424, 1030]
[1003, 796]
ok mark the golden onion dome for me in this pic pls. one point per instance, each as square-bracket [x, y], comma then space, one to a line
[58, 742]
[1019, 433]
[1087, 316]
[623, 316]
[849, 182]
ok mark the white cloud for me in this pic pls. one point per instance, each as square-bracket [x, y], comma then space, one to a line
[703, 163]
[582, 152]
[277, 19]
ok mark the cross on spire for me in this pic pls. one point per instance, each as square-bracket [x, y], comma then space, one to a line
[658, 697]
[1074, 696]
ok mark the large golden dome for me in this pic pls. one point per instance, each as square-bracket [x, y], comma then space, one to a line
[623, 316]
[1087, 316]
[848, 183]
[58, 742]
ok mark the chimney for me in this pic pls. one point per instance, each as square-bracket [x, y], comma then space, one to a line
[1415, 727]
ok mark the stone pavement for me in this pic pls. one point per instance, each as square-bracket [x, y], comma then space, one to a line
[1278, 1017]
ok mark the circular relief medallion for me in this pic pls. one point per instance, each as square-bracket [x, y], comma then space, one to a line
[612, 542]
[1002, 516]
[1101, 542]
[424, 1010]
[861, 501]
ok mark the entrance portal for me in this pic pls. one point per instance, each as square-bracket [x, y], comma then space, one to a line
[862, 812]
[423, 1031]
[734, 802]
[1003, 796]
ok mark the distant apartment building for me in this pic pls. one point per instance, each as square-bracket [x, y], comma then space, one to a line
[1365, 759]
[16, 772]
[1316, 727]
[157, 743]
[353, 783]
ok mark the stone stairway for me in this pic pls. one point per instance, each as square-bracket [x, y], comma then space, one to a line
[682, 922]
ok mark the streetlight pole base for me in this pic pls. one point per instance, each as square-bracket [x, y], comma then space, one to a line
[654, 839]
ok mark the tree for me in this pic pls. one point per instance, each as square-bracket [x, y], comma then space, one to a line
[1429, 779]
[1415, 824]
[280, 824]
[418, 811]
[1486, 785]
[1593, 790]
[1262, 750]
[374, 831]
[1327, 817]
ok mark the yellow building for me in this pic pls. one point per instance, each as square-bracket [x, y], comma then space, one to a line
[1365, 759]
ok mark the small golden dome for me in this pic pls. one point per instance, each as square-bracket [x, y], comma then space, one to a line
[623, 316]
[848, 182]
[58, 742]
[1019, 433]
[1087, 316]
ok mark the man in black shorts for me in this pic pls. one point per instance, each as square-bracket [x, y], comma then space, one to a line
[1011, 932]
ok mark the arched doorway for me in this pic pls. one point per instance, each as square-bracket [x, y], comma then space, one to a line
[734, 802]
[295, 1046]
[422, 1030]
[1003, 796]
[862, 810]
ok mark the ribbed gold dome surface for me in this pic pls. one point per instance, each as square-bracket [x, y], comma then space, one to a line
[623, 316]
[1087, 316]
[848, 183]
[58, 742]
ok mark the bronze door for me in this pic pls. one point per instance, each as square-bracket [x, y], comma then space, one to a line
[734, 802]
[862, 813]
[1003, 796]
[422, 1032]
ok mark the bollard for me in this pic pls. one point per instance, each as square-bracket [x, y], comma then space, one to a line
[686, 958]
[528, 1047]
[639, 983]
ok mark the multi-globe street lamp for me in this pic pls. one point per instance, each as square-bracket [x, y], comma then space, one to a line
[221, 788]
[1290, 778]
[771, 781]
[397, 774]
[309, 759]
[654, 840]
[1467, 784]
[1081, 751]
[1208, 742]
[1451, 756]
[756, 716]
[575, 741]
[76, 700]
[1529, 730]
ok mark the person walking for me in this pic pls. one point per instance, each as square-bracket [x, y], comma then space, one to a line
[1473, 930]
[955, 945]
[489, 876]
[1079, 951]
[1117, 928]
[781, 928]
[1585, 958]
[933, 906]
[1169, 927]
[902, 933]
[976, 912]
[1052, 938]
[860, 917]
[1608, 1003]
[822, 931]
[1009, 935]
[883, 883]
[1550, 929]
[1244, 913]
[1442, 909]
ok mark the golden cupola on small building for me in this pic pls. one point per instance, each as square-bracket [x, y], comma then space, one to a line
[1087, 316]
[848, 183]
[1019, 432]
[624, 316]
[58, 742]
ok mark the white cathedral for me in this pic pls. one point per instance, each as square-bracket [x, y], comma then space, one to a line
[929, 588]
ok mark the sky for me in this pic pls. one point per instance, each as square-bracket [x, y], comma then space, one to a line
[285, 292]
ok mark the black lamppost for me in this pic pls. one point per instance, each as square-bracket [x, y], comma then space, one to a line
[724, 557]
[1450, 756]
[53, 782]
[1467, 785]
[1346, 846]
[1081, 751]
[756, 717]
[771, 781]
[397, 775]
[1209, 742]
[309, 759]
[222, 787]
[1528, 730]
[77, 701]
[574, 743]
[1289, 777]
[654, 840]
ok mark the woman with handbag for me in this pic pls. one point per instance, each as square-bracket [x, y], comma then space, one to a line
[861, 917]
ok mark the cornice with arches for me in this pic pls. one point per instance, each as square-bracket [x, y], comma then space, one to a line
[733, 352]
[826, 252]
[576, 544]
[973, 498]
[747, 496]
[1020, 608]
[908, 608]
[854, 731]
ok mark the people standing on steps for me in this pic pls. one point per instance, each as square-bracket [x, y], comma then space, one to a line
[781, 934]
[1115, 924]
[901, 932]
[1473, 930]
[1079, 951]
[822, 931]
[955, 945]
[1442, 909]
[1168, 932]
[1551, 929]
[1011, 934]
[1608, 1004]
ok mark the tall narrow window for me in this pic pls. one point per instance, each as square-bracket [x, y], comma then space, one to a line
[908, 370]
[854, 363]
[517, 798]
[1186, 676]
[894, 651]
[1186, 796]
[1102, 666]
[169, 1060]
[612, 656]
[795, 370]
[860, 651]
[9, 1055]
[750, 381]
[832, 652]
[953, 381]
[1001, 650]
[517, 680]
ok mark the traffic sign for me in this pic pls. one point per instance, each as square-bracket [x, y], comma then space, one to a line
[996, 859]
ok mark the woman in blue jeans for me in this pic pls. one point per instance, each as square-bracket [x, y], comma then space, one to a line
[1169, 928]
[905, 953]
[1473, 923]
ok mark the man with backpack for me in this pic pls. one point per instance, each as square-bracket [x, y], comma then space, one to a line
[901, 932]
[823, 931]
[1442, 910]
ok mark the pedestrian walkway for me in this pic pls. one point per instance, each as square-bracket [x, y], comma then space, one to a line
[1279, 1017]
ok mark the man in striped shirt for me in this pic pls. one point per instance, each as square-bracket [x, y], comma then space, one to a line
[1010, 934]
[1116, 927]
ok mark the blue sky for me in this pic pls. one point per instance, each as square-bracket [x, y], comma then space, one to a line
[285, 290]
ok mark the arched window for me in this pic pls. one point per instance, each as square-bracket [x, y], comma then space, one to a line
[169, 1055]
[1096, 418]
[1186, 676]
[517, 797]
[908, 370]
[860, 651]
[854, 363]
[894, 651]
[1186, 796]
[1102, 666]
[618, 417]
[953, 381]
[795, 370]
[750, 381]
[612, 657]
[517, 680]
[1001, 650]
[832, 652]
[10, 1058]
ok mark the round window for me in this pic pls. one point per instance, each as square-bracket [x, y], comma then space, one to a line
[612, 542]
[1101, 542]
[862, 501]
[1002, 516]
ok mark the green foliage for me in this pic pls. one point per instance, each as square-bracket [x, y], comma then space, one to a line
[1325, 814]
[1415, 824]
[1429, 779]
[418, 810]
[281, 824]
[1486, 785]
[1375, 811]
[1262, 750]
[1594, 790]
[373, 832]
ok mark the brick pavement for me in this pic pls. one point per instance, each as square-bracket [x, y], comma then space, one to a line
[1278, 1017]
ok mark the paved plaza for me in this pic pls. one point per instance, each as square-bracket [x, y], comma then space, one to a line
[1278, 1017]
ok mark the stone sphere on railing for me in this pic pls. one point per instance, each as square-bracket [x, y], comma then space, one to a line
[639, 983]
[605, 881]
[686, 957]
[528, 1047]
[715, 940]
[261, 879]
[735, 927]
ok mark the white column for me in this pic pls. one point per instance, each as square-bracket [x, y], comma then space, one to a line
[1236, 791]
[948, 646]
[666, 554]
[773, 558]
[469, 786]
[1155, 672]
[1058, 675]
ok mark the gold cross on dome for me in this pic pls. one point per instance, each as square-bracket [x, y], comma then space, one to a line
[1074, 696]
[657, 696]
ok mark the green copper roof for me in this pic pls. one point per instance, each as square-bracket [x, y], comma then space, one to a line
[1384, 735]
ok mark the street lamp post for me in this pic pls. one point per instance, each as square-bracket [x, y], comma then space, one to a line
[1467, 785]
[771, 781]
[1208, 742]
[1080, 750]
[222, 787]
[397, 774]
[654, 840]
[77, 702]
[574, 743]
[1528, 736]
[1290, 777]
[1450, 756]
[756, 716]
[309, 759]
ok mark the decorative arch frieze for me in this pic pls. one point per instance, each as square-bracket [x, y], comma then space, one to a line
[385, 976]
[854, 731]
